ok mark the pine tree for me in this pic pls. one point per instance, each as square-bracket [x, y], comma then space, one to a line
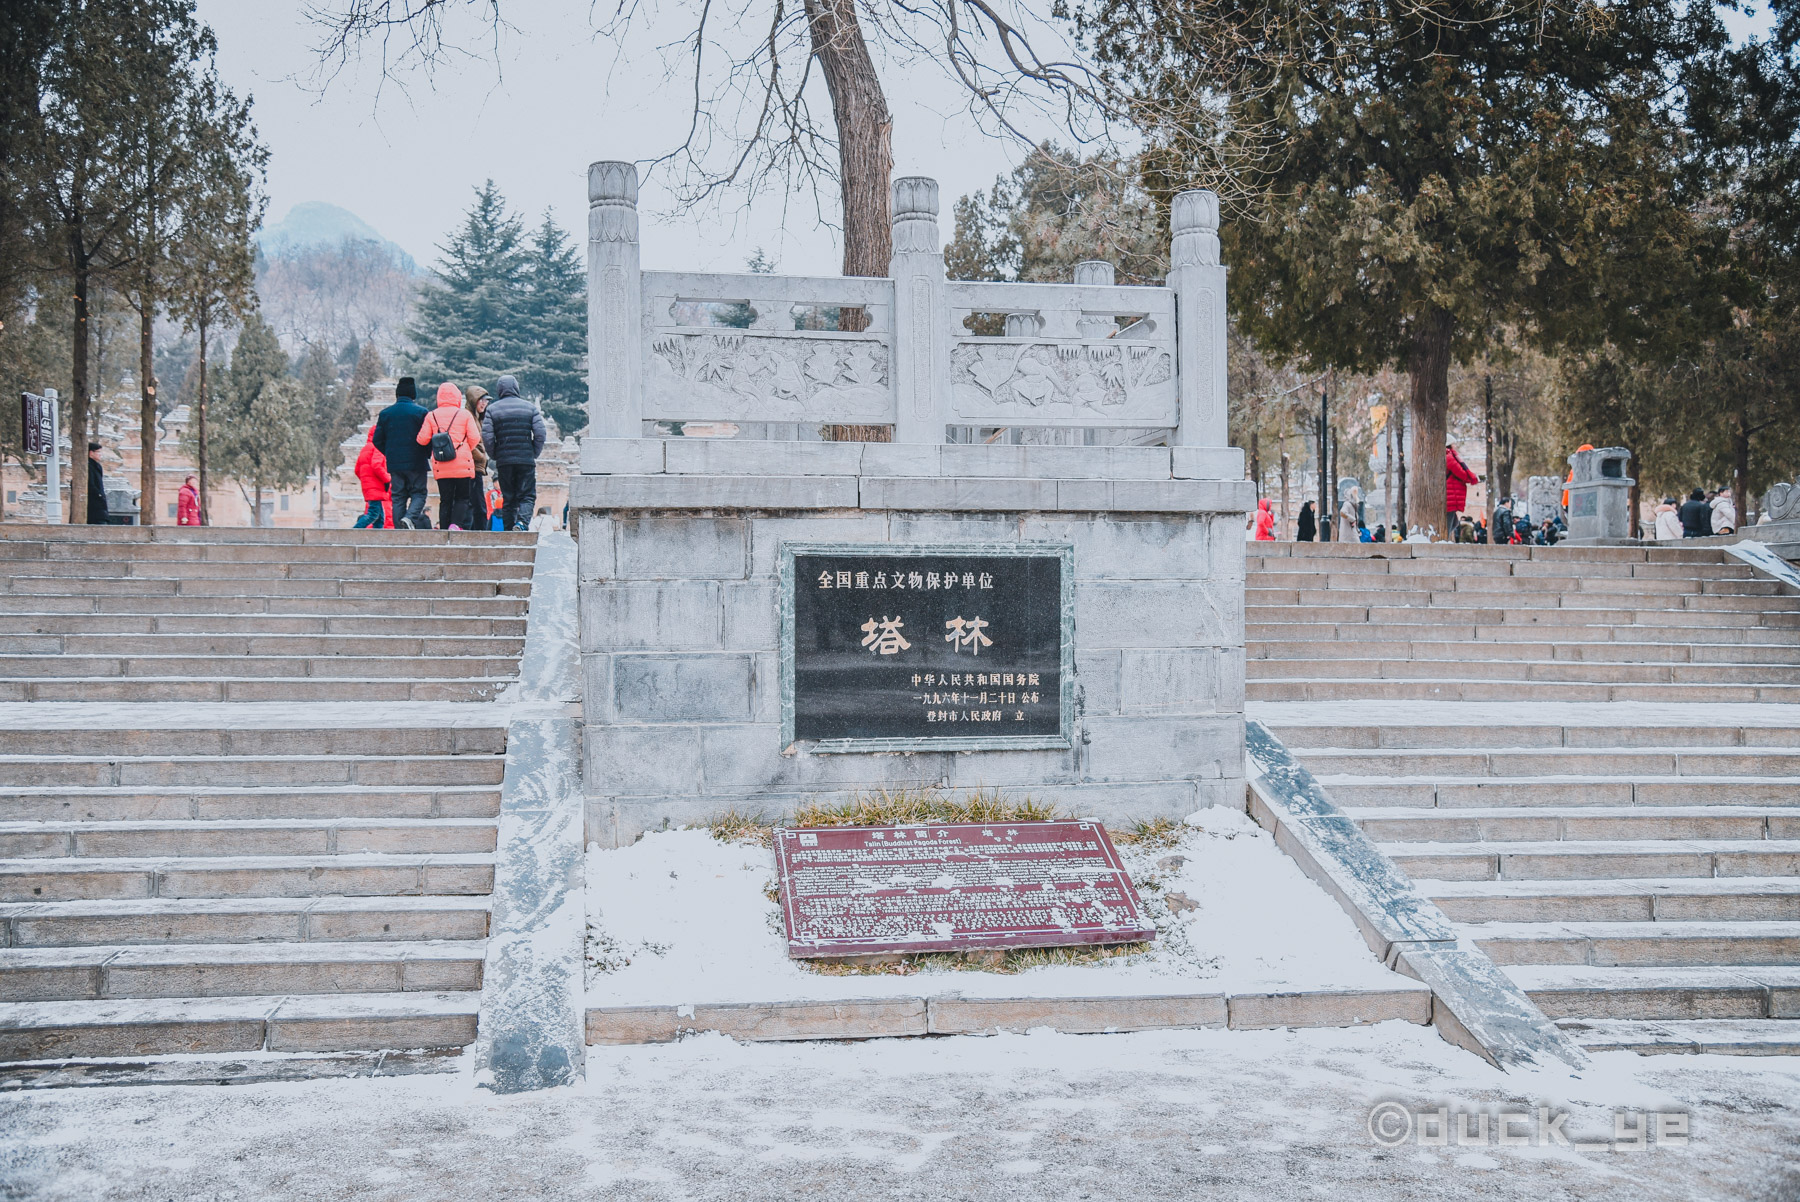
[555, 311]
[332, 420]
[362, 382]
[1414, 180]
[469, 325]
[265, 439]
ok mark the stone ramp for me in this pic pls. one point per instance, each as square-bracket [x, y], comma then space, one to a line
[1628, 851]
[304, 869]
[187, 614]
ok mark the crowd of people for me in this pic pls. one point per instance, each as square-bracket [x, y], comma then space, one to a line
[481, 448]
[1703, 514]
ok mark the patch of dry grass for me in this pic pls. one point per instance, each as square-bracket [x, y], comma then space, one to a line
[912, 806]
[907, 806]
[734, 826]
[1158, 832]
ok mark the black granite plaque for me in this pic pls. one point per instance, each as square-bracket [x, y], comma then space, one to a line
[953, 645]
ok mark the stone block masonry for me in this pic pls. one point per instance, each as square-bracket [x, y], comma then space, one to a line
[680, 649]
[1091, 432]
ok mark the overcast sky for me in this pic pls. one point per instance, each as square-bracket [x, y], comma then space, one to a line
[404, 154]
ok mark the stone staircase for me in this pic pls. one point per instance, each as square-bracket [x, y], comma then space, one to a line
[280, 838]
[1601, 785]
[1343, 621]
[134, 614]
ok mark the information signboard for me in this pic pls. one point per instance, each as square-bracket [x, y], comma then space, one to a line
[941, 647]
[856, 891]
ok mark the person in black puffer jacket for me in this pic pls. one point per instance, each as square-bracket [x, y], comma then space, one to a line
[513, 432]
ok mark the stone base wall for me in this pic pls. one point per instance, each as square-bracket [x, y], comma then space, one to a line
[680, 639]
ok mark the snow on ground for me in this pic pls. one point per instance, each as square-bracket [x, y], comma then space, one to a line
[680, 918]
[1272, 1115]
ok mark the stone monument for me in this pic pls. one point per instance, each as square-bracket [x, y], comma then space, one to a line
[1600, 495]
[1543, 499]
[768, 618]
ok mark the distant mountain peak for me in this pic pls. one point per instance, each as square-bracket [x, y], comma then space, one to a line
[316, 222]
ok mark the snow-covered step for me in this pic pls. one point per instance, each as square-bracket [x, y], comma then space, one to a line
[1486, 792]
[1301, 688]
[1581, 991]
[163, 920]
[37, 771]
[259, 837]
[1640, 944]
[1597, 859]
[359, 874]
[1630, 763]
[1722, 1037]
[1401, 824]
[1724, 899]
[161, 690]
[236, 970]
[303, 1023]
[127, 804]
[15, 624]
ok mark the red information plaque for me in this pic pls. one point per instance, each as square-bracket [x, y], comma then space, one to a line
[862, 890]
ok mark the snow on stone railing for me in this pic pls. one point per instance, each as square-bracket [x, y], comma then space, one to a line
[913, 351]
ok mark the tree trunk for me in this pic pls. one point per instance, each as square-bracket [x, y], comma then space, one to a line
[1400, 512]
[1387, 470]
[1327, 515]
[1634, 500]
[147, 411]
[1286, 533]
[1256, 465]
[864, 131]
[78, 385]
[1429, 366]
[256, 506]
[200, 412]
[1487, 421]
[1740, 466]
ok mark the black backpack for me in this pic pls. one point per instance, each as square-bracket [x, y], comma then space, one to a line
[443, 449]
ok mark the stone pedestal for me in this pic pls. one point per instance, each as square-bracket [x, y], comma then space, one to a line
[1600, 495]
[680, 547]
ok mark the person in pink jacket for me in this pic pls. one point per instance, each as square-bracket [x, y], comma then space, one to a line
[1265, 521]
[450, 435]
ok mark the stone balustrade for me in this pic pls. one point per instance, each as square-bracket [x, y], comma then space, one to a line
[914, 353]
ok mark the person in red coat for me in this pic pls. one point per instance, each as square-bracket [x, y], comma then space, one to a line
[372, 471]
[1457, 478]
[1265, 521]
[187, 503]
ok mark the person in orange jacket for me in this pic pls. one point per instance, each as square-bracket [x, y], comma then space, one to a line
[372, 473]
[451, 435]
[1586, 446]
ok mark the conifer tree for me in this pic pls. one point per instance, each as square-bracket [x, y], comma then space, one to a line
[469, 324]
[265, 440]
[555, 310]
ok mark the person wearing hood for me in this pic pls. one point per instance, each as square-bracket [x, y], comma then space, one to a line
[514, 433]
[396, 437]
[1265, 522]
[1724, 513]
[476, 402]
[449, 433]
[187, 503]
[1308, 525]
[372, 473]
[1457, 478]
[1668, 521]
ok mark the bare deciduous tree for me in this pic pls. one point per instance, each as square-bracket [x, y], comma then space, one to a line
[748, 66]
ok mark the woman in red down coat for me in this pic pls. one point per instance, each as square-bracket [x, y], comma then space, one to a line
[1265, 522]
[187, 503]
[372, 470]
[1456, 486]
